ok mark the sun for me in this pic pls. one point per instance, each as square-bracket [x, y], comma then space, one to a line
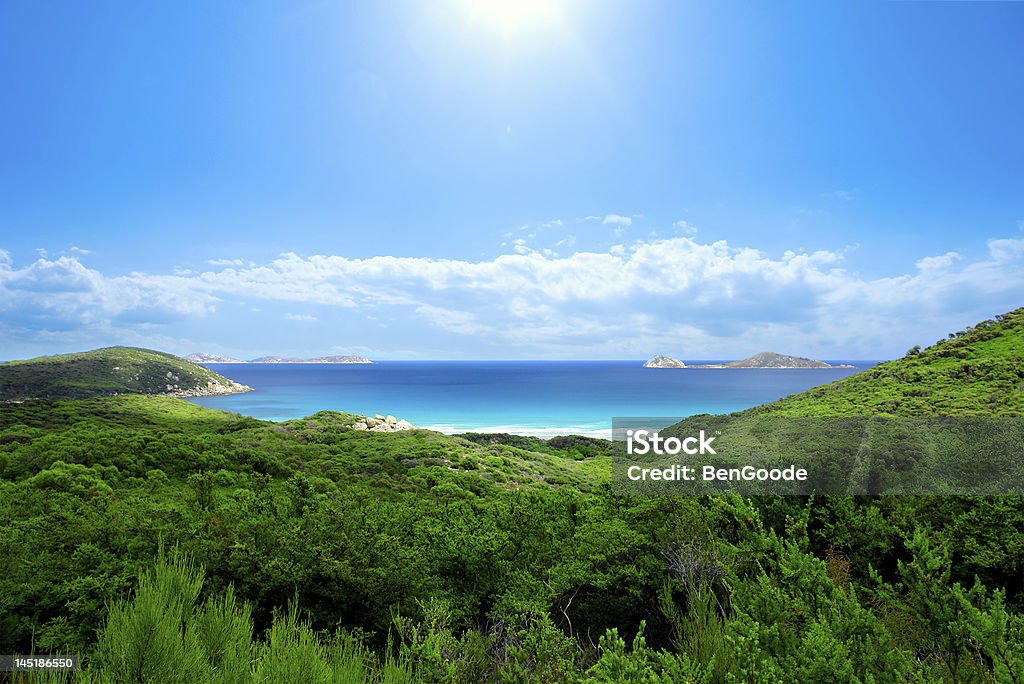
[515, 12]
[513, 16]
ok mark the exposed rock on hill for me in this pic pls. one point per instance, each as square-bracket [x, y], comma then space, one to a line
[381, 423]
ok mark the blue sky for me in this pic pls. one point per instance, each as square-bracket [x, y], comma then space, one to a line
[461, 180]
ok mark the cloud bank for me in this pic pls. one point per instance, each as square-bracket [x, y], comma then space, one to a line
[675, 295]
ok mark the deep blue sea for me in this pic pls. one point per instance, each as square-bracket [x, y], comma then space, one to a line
[542, 398]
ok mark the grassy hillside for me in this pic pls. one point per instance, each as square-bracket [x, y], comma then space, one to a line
[977, 371]
[833, 430]
[108, 371]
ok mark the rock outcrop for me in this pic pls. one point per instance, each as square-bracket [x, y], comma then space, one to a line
[212, 389]
[379, 423]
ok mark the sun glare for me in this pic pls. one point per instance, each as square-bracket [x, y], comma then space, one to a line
[513, 16]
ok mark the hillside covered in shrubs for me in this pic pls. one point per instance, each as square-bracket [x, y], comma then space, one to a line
[169, 543]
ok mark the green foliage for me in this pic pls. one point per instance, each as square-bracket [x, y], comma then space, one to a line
[103, 372]
[153, 638]
[308, 551]
[977, 371]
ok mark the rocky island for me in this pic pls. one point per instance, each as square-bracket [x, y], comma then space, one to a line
[211, 358]
[773, 360]
[660, 361]
[759, 360]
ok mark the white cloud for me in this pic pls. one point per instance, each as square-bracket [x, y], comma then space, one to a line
[519, 246]
[615, 219]
[674, 295]
[451, 320]
[937, 263]
[684, 228]
[1006, 249]
[225, 262]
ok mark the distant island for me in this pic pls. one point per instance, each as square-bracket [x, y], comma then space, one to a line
[660, 361]
[213, 358]
[759, 360]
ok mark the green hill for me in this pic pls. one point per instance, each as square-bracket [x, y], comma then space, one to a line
[109, 371]
[908, 426]
[977, 371]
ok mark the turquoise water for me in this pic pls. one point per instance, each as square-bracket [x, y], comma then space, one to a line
[541, 398]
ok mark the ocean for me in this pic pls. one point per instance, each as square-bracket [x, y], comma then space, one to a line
[541, 398]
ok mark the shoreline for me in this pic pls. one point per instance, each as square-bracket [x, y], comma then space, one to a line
[211, 390]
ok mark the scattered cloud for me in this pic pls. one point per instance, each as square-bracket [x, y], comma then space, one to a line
[1006, 250]
[937, 263]
[844, 195]
[519, 246]
[225, 262]
[615, 219]
[684, 228]
[673, 295]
